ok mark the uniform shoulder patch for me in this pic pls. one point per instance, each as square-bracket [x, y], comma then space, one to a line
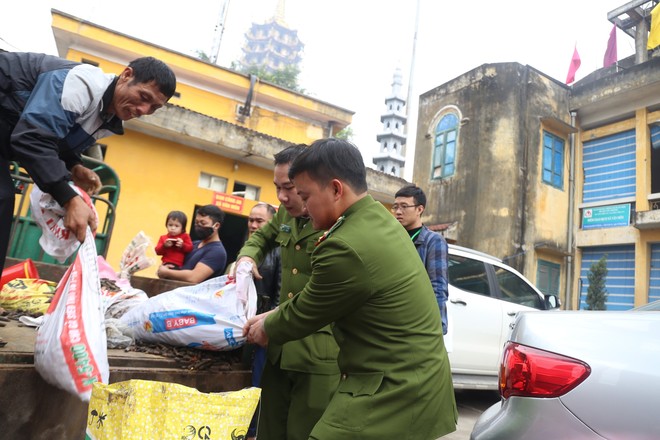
[332, 229]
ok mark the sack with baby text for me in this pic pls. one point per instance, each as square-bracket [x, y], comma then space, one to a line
[209, 316]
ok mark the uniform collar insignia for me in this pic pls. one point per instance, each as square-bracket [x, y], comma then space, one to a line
[285, 228]
[329, 232]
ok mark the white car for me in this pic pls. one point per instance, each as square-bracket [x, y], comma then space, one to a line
[484, 297]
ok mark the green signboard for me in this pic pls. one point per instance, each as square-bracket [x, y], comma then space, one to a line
[606, 216]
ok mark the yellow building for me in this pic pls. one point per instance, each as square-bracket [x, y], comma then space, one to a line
[214, 140]
[552, 178]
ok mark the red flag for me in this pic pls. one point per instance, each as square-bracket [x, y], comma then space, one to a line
[573, 67]
[610, 53]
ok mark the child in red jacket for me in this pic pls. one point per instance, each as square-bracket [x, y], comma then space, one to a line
[176, 244]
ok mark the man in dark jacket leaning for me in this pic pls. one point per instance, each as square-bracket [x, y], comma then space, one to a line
[52, 110]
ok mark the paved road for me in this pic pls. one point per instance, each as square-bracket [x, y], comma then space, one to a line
[470, 406]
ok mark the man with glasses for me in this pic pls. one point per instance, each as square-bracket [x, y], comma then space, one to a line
[409, 204]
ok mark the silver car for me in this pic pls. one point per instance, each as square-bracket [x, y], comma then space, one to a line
[578, 375]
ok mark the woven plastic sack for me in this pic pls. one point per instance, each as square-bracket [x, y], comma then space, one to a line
[56, 240]
[134, 258]
[27, 295]
[208, 316]
[70, 351]
[141, 409]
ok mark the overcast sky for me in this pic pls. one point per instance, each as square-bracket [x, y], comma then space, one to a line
[352, 47]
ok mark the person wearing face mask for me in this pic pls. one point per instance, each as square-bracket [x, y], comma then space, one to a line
[208, 256]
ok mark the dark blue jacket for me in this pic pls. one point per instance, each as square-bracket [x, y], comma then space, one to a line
[51, 110]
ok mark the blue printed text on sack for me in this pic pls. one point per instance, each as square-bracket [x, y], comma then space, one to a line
[229, 337]
[178, 319]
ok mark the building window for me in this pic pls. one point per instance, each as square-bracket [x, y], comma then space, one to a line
[553, 160]
[90, 62]
[620, 280]
[608, 165]
[547, 277]
[249, 192]
[215, 183]
[444, 147]
[655, 159]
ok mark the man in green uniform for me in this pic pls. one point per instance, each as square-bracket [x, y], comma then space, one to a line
[300, 376]
[368, 280]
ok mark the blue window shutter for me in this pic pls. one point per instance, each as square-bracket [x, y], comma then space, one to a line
[609, 167]
[620, 281]
[553, 160]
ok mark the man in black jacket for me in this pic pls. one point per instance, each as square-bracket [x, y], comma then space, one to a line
[52, 110]
[268, 294]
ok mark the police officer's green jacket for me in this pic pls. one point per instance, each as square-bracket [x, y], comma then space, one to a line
[395, 377]
[316, 353]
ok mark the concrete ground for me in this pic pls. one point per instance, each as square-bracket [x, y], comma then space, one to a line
[470, 406]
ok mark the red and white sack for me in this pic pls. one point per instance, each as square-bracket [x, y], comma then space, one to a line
[71, 351]
[56, 240]
[208, 316]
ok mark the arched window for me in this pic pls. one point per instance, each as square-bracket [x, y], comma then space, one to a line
[444, 147]
[382, 168]
[393, 170]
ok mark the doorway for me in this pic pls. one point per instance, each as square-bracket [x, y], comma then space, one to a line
[233, 233]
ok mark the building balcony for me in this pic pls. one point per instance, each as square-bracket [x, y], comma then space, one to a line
[649, 219]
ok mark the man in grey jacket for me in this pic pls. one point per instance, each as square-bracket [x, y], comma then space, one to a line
[52, 110]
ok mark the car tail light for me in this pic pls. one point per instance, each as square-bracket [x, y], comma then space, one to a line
[530, 372]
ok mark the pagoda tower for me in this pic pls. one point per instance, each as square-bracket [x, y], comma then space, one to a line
[273, 45]
[391, 157]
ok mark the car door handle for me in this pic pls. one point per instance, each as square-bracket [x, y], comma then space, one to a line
[458, 301]
[511, 313]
